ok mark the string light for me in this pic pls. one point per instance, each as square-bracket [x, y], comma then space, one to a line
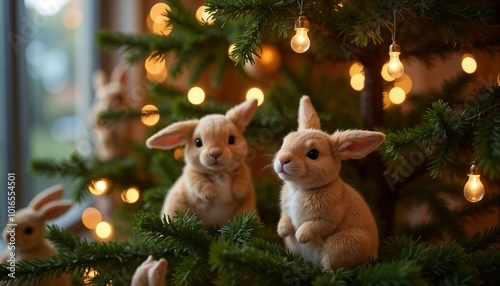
[196, 95]
[469, 64]
[98, 187]
[395, 67]
[300, 43]
[256, 93]
[474, 189]
[104, 230]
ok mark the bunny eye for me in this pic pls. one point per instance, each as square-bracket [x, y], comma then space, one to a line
[231, 139]
[313, 154]
[198, 142]
[28, 230]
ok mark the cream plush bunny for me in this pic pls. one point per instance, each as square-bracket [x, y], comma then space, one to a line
[111, 138]
[150, 273]
[216, 181]
[322, 218]
[28, 229]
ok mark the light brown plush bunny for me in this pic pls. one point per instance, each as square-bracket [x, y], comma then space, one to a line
[150, 273]
[112, 139]
[323, 219]
[25, 235]
[216, 181]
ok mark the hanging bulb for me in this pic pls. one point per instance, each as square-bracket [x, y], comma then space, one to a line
[300, 42]
[395, 67]
[474, 189]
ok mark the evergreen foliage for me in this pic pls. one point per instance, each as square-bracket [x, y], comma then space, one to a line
[426, 148]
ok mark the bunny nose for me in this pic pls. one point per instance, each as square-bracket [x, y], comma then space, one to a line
[215, 155]
[284, 161]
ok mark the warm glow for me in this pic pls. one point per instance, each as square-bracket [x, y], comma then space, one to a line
[385, 74]
[161, 28]
[404, 82]
[104, 230]
[474, 189]
[257, 93]
[386, 101]
[230, 50]
[157, 10]
[160, 77]
[154, 65]
[130, 195]
[89, 274]
[358, 81]
[98, 187]
[267, 61]
[178, 153]
[91, 217]
[72, 18]
[196, 95]
[149, 115]
[469, 64]
[203, 16]
[395, 67]
[397, 95]
[355, 69]
[300, 43]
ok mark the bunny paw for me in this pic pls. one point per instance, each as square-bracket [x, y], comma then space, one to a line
[285, 227]
[303, 235]
[208, 193]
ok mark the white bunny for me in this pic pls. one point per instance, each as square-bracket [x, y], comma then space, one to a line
[28, 230]
[322, 218]
[150, 273]
[216, 182]
[112, 139]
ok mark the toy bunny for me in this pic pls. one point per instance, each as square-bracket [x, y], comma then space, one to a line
[29, 228]
[111, 138]
[150, 273]
[216, 181]
[323, 219]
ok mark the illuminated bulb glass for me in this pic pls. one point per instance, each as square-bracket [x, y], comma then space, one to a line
[300, 43]
[474, 189]
[256, 93]
[385, 74]
[395, 67]
[196, 95]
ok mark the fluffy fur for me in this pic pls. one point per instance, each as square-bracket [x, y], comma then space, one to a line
[322, 218]
[150, 273]
[216, 181]
[111, 138]
[29, 232]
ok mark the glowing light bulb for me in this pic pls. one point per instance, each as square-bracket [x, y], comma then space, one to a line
[395, 67]
[474, 189]
[300, 43]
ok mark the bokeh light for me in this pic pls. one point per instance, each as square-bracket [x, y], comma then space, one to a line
[130, 195]
[104, 230]
[385, 74]
[196, 95]
[203, 16]
[149, 115]
[99, 187]
[154, 65]
[178, 153]
[397, 95]
[91, 217]
[230, 50]
[358, 82]
[355, 68]
[256, 93]
[469, 64]
[404, 82]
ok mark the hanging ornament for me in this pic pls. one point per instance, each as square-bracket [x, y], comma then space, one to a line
[474, 189]
[300, 43]
[395, 67]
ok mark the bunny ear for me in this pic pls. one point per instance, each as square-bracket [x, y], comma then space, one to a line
[173, 135]
[54, 210]
[119, 74]
[242, 113]
[355, 144]
[308, 118]
[157, 273]
[46, 196]
[99, 79]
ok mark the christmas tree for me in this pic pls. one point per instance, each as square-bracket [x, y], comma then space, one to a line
[423, 163]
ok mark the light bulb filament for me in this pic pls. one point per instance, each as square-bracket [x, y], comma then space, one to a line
[474, 189]
[395, 67]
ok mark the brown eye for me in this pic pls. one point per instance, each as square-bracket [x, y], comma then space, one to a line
[198, 142]
[313, 154]
[231, 140]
